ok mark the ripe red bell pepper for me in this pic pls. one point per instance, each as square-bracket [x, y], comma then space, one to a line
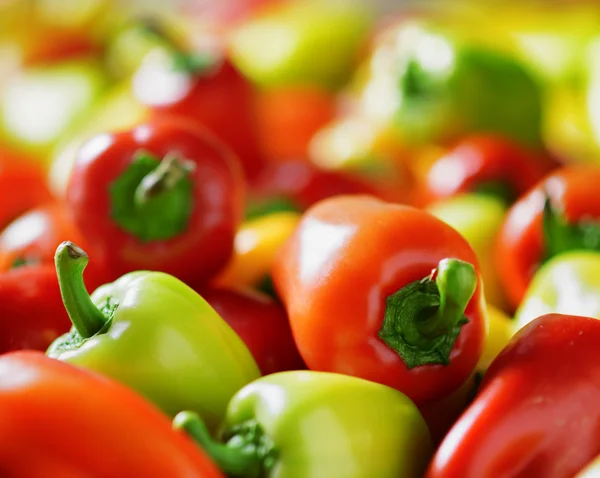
[297, 184]
[262, 324]
[32, 313]
[485, 163]
[22, 185]
[33, 237]
[384, 292]
[205, 88]
[164, 196]
[79, 424]
[559, 214]
[536, 413]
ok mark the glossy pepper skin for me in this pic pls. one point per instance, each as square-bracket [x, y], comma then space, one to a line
[486, 164]
[354, 277]
[22, 185]
[305, 423]
[567, 284]
[105, 430]
[559, 214]
[261, 323]
[536, 413]
[156, 196]
[32, 312]
[203, 87]
[33, 237]
[153, 333]
[297, 184]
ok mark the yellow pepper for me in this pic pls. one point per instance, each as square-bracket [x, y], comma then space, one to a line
[256, 244]
[499, 331]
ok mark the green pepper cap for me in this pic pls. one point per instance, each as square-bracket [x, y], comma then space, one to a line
[248, 453]
[561, 236]
[423, 319]
[153, 199]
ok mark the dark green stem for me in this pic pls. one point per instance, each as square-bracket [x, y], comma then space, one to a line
[234, 461]
[70, 261]
[502, 190]
[423, 319]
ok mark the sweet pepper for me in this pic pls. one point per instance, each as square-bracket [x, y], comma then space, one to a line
[153, 333]
[486, 164]
[566, 284]
[155, 196]
[559, 214]
[536, 413]
[308, 423]
[385, 292]
[436, 85]
[77, 423]
[32, 314]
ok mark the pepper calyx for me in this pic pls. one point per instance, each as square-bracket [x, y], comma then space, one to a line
[423, 319]
[248, 452]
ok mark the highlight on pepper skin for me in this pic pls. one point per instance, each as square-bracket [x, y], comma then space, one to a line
[299, 238]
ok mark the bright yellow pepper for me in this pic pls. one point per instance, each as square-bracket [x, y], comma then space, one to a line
[500, 330]
[256, 244]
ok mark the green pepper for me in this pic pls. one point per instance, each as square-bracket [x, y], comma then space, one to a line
[569, 283]
[153, 333]
[478, 218]
[436, 86]
[301, 42]
[38, 105]
[304, 424]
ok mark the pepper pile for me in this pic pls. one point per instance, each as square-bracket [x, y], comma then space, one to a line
[295, 239]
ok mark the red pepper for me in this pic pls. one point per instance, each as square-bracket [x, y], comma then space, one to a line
[164, 196]
[384, 292]
[298, 184]
[559, 214]
[536, 413]
[66, 422]
[22, 186]
[488, 164]
[207, 89]
[33, 237]
[32, 313]
[262, 324]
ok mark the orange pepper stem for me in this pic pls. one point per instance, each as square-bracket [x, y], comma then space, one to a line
[423, 319]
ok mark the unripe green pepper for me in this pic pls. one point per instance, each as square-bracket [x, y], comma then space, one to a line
[308, 424]
[40, 104]
[569, 283]
[301, 42]
[441, 86]
[153, 333]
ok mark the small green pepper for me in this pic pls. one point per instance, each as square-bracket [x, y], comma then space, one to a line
[153, 333]
[304, 424]
[438, 86]
[569, 283]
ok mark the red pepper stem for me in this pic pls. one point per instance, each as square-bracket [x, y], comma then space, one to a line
[456, 282]
[164, 178]
[70, 261]
[232, 461]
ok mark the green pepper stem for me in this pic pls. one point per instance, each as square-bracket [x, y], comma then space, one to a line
[164, 178]
[70, 261]
[232, 461]
[423, 319]
[456, 282]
